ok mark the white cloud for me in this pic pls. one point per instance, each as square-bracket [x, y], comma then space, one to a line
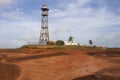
[14, 14]
[57, 13]
[83, 22]
[6, 2]
[113, 40]
[82, 2]
[17, 33]
[71, 18]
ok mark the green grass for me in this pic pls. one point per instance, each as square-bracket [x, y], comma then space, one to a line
[77, 48]
[65, 47]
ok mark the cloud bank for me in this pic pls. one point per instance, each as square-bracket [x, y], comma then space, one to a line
[98, 20]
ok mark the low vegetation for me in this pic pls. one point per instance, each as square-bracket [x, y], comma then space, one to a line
[59, 46]
[60, 43]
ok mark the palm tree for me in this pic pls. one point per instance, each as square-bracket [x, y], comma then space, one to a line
[70, 40]
[90, 42]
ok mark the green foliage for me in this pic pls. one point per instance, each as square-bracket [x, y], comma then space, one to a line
[29, 46]
[24, 46]
[60, 42]
[90, 42]
[75, 47]
[70, 39]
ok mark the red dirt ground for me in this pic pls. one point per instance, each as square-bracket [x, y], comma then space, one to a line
[49, 64]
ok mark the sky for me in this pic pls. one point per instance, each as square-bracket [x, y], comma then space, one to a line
[96, 20]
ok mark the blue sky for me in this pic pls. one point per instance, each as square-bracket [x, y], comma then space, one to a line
[98, 20]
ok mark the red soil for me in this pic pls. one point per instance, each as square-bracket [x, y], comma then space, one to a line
[48, 64]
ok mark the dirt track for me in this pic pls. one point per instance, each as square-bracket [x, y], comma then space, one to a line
[35, 64]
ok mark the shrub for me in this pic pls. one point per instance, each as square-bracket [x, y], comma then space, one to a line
[50, 43]
[60, 42]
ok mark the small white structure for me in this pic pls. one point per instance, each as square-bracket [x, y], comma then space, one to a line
[70, 43]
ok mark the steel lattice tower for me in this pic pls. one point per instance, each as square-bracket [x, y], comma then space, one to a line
[44, 34]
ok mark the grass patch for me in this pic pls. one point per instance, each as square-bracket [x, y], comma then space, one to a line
[77, 47]
[58, 47]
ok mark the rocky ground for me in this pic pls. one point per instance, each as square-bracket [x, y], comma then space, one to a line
[51, 64]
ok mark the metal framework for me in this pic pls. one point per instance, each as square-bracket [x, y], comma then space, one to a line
[44, 34]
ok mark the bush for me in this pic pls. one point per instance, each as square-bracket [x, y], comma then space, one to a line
[60, 42]
[94, 46]
[50, 43]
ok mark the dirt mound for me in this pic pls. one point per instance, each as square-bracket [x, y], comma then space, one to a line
[51, 64]
[36, 57]
[9, 71]
[96, 77]
[104, 74]
[110, 53]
